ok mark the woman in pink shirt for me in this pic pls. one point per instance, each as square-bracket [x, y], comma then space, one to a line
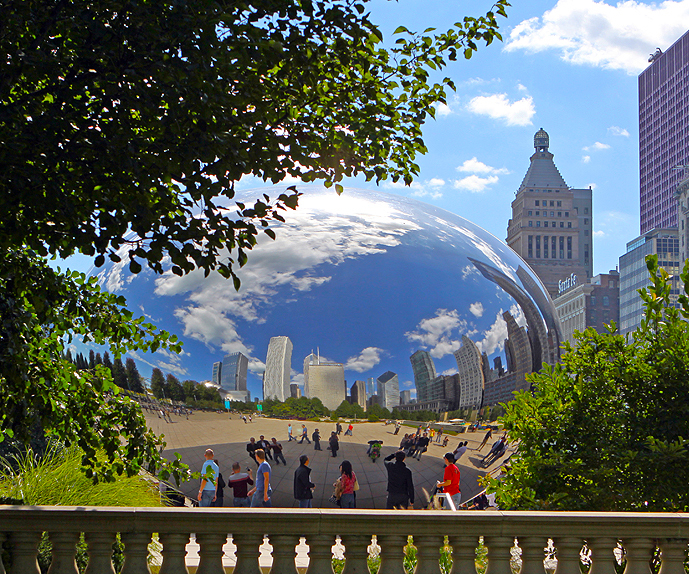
[348, 484]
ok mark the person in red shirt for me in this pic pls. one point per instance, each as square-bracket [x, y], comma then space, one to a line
[450, 483]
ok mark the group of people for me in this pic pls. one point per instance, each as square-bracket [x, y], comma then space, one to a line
[414, 445]
[271, 450]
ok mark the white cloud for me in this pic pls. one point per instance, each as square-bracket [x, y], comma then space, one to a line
[596, 146]
[429, 188]
[585, 158]
[475, 183]
[473, 165]
[449, 372]
[599, 234]
[407, 384]
[592, 32]
[442, 110]
[617, 131]
[499, 107]
[522, 87]
[171, 363]
[593, 186]
[435, 333]
[476, 309]
[365, 360]
[494, 337]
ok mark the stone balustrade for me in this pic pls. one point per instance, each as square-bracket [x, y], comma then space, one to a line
[535, 533]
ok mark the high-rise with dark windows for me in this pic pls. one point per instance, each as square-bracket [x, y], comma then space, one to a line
[663, 134]
[234, 370]
[424, 373]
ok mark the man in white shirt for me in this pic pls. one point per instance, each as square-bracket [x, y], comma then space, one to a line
[209, 480]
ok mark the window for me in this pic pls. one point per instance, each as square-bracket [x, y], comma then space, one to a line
[538, 224]
[530, 223]
[552, 204]
[554, 224]
[562, 247]
[569, 224]
[538, 213]
[530, 243]
[586, 220]
[545, 224]
[538, 246]
[566, 213]
[593, 300]
[606, 301]
[562, 223]
[553, 246]
[569, 248]
[559, 214]
[586, 232]
[529, 213]
[586, 210]
[545, 247]
[536, 203]
[611, 284]
[559, 204]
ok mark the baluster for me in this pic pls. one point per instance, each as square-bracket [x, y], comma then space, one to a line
[427, 553]
[602, 557]
[25, 552]
[174, 553]
[64, 553]
[247, 553]
[100, 552]
[568, 555]
[135, 553]
[356, 553]
[498, 554]
[320, 554]
[672, 557]
[2, 540]
[533, 554]
[391, 553]
[284, 553]
[463, 554]
[639, 551]
[210, 552]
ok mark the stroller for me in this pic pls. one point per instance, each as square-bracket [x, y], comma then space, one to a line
[374, 449]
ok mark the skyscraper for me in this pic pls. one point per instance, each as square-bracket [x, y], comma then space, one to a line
[234, 370]
[552, 224]
[278, 368]
[217, 373]
[389, 390]
[424, 373]
[663, 134]
[405, 397]
[358, 393]
[324, 380]
[470, 369]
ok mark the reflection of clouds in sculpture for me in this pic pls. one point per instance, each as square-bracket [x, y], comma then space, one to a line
[435, 333]
[364, 361]
[494, 338]
[476, 309]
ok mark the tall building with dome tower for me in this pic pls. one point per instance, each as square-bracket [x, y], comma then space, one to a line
[552, 224]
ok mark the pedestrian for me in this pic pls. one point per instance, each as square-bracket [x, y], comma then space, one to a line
[239, 483]
[348, 485]
[431, 434]
[289, 433]
[277, 452]
[398, 424]
[418, 430]
[260, 494]
[265, 445]
[304, 435]
[251, 448]
[209, 480]
[450, 482]
[249, 418]
[303, 487]
[439, 435]
[421, 446]
[486, 438]
[334, 443]
[350, 430]
[496, 447]
[338, 428]
[220, 491]
[316, 440]
[460, 450]
[400, 483]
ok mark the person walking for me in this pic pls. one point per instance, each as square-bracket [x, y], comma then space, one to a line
[219, 501]
[303, 487]
[338, 428]
[260, 494]
[209, 480]
[304, 435]
[460, 450]
[439, 435]
[316, 440]
[400, 482]
[450, 482]
[334, 443]
[350, 430]
[290, 438]
[239, 483]
[348, 485]
[398, 424]
[277, 452]
[486, 438]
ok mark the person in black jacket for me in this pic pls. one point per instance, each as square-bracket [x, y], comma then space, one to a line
[400, 483]
[251, 448]
[334, 443]
[303, 484]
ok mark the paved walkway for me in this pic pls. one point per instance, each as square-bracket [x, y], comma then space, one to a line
[228, 438]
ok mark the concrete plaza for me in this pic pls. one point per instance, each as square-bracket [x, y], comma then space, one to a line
[228, 438]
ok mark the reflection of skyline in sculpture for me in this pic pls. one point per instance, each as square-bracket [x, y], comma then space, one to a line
[324, 380]
[234, 369]
[358, 393]
[389, 390]
[276, 379]
[471, 378]
[424, 372]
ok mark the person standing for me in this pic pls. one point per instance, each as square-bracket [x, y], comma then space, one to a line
[316, 440]
[260, 494]
[398, 424]
[219, 501]
[304, 435]
[338, 428]
[334, 443]
[350, 430]
[251, 448]
[209, 480]
[289, 433]
[421, 446]
[439, 435]
[400, 483]
[239, 483]
[347, 485]
[450, 482]
[265, 445]
[303, 487]
[277, 451]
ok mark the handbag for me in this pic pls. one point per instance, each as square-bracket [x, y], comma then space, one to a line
[334, 499]
[356, 484]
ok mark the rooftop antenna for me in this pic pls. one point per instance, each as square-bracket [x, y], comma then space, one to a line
[318, 350]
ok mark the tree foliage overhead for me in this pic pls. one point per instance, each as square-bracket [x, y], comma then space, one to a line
[121, 116]
[608, 428]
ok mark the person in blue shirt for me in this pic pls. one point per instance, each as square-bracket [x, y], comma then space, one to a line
[209, 480]
[260, 494]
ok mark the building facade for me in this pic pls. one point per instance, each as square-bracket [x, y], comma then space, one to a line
[405, 397]
[634, 275]
[234, 372]
[294, 390]
[663, 134]
[324, 380]
[682, 199]
[276, 379]
[593, 304]
[470, 370]
[217, 373]
[424, 372]
[389, 390]
[358, 393]
[552, 224]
